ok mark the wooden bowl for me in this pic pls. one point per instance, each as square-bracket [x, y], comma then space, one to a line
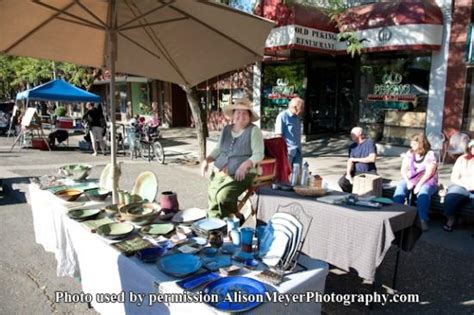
[309, 191]
[69, 194]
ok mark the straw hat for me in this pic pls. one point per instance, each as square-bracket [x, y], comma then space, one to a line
[242, 103]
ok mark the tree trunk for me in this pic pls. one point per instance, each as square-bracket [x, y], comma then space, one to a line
[199, 119]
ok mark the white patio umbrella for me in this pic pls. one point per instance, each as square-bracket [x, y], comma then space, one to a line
[179, 41]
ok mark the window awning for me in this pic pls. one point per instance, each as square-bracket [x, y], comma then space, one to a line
[396, 25]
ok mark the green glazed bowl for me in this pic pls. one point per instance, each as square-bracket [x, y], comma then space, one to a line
[83, 214]
[157, 229]
[115, 231]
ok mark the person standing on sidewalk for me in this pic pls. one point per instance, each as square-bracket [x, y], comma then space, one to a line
[288, 125]
[362, 156]
[96, 124]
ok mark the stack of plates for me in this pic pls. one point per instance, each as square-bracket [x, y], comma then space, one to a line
[286, 236]
[203, 227]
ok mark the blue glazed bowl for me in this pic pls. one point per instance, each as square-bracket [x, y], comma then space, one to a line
[151, 254]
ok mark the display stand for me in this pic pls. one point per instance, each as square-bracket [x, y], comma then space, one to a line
[296, 210]
[31, 123]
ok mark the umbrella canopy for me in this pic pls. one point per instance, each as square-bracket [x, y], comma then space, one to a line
[58, 90]
[180, 41]
[184, 42]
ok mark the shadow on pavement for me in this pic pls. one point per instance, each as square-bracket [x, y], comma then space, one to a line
[10, 195]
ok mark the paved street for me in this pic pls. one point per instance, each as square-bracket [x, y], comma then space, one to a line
[439, 269]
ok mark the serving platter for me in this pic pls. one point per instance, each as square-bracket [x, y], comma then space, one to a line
[234, 287]
[180, 265]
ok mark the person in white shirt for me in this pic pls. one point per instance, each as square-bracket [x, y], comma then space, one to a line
[461, 189]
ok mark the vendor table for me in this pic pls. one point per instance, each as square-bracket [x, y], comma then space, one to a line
[344, 236]
[105, 270]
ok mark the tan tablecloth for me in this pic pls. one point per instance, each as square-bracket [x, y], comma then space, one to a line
[346, 237]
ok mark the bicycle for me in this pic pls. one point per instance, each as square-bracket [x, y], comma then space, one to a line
[144, 141]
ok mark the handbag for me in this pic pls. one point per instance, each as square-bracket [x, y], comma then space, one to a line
[414, 175]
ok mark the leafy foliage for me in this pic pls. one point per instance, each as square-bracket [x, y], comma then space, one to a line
[17, 73]
[60, 111]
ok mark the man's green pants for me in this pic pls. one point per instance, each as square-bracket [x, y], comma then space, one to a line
[224, 191]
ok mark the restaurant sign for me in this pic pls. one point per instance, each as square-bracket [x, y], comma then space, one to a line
[301, 37]
[392, 94]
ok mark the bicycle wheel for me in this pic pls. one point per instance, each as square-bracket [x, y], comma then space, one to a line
[159, 152]
[145, 151]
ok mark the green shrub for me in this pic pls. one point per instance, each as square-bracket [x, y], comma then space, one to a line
[60, 111]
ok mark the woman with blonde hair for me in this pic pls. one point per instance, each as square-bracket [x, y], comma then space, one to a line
[461, 190]
[419, 176]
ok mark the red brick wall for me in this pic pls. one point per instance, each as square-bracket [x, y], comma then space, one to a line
[456, 73]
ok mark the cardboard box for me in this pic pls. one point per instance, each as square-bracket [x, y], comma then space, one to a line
[367, 184]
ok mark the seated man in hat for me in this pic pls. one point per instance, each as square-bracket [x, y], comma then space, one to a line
[239, 148]
[362, 156]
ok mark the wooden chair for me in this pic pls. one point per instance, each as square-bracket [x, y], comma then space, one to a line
[274, 167]
[266, 172]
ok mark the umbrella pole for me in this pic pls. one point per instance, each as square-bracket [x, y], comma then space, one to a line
[113, 154]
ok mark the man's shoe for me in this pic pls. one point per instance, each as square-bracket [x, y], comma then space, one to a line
[94, 154]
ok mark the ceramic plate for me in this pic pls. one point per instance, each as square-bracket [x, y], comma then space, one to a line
[180, 265]
[266, 241]
[157, 229]
[277, 249]
[230, 286]
[292, 247]
[280, 227]
[293, 220]
[210, 224]
[189, 215]
[83, 214]
[105, 181]
[115, 230]
[146, 186]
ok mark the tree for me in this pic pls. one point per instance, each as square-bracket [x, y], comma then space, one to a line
[18, 73]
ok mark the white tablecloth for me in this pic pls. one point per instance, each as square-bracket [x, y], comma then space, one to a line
[49, 213]
[103, 269]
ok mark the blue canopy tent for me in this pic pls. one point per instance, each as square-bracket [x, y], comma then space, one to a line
[58, 90]
[55, 90]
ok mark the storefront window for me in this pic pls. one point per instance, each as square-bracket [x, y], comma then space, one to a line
[394, 95]
[281, 83]
[468, 117]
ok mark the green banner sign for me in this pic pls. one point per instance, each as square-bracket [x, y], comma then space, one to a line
[390, 105]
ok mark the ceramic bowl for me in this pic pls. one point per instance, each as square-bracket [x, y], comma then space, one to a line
[115, 230]
[97, 194]
[69, 194]
[111, 209]
[138, 213]
[157, 229]
[151, 254]
[76, 171]
[83, 214]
